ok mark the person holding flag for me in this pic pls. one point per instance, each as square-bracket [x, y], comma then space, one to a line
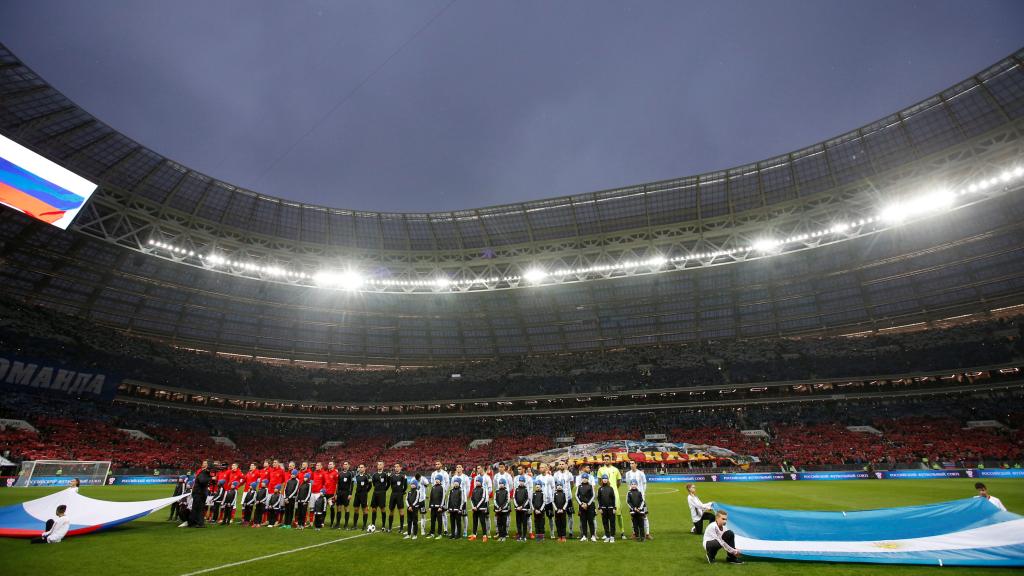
[699, 511]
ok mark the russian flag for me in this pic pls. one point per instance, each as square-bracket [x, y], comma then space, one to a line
[969, 532]
[38, 187]
[26, 520]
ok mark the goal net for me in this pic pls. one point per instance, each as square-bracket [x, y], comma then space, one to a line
[61, 472]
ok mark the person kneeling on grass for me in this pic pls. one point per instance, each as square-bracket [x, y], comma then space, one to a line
[56, 528]
[716, 538]
[699, 511]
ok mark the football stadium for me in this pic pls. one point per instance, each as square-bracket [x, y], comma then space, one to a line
[808, 364]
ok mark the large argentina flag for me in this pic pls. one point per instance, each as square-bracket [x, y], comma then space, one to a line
[38, 187]
[969, 532]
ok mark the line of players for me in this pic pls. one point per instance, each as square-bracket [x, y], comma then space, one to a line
[543, 503]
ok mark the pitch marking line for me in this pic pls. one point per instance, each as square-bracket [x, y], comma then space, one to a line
[282, 553]
[669, 491]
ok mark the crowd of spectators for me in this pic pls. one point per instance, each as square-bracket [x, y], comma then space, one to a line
[810, 435]
[58, 338]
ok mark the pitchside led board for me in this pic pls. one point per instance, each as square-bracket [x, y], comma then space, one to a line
[36, 186]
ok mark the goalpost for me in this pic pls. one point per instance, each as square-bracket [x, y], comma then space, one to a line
[61, 472]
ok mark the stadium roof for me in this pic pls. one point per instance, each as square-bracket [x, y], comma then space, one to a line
[228, 245]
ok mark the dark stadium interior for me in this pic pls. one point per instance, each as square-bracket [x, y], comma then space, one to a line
[922, 322]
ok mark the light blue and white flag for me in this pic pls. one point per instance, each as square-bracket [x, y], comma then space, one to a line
[969, 532]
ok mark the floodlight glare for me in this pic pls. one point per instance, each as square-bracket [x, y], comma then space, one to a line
[535, 275]
[347, 280]
[766, 245]
[935, 201]
[657, 261]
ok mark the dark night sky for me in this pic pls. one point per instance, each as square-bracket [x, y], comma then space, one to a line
[493, 102]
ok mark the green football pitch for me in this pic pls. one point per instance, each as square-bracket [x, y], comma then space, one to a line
[155, 546]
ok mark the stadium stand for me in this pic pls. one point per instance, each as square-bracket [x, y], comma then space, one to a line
[809, 435]
[42, 333]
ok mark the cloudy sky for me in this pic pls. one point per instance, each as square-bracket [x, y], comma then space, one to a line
[424, 105]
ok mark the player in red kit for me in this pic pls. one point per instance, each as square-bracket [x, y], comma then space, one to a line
[277, 474]
[331, 489]
[253, 475]
[317, 481]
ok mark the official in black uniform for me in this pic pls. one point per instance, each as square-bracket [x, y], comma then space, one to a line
[362, 495]
[381, 482]
[345, 481]
[199, 488]
[399, 483]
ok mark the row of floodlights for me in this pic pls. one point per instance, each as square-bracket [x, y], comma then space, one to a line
[353, 280]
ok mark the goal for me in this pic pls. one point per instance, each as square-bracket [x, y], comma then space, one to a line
[61, 472]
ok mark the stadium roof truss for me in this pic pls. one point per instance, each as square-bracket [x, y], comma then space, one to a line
[149, 203]
[165, 251]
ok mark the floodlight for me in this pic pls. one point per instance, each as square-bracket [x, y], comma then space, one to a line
[766, 245]
[535, 275]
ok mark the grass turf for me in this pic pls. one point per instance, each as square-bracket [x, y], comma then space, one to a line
[155, 546]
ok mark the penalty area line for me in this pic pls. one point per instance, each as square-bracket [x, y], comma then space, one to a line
[282, 553]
